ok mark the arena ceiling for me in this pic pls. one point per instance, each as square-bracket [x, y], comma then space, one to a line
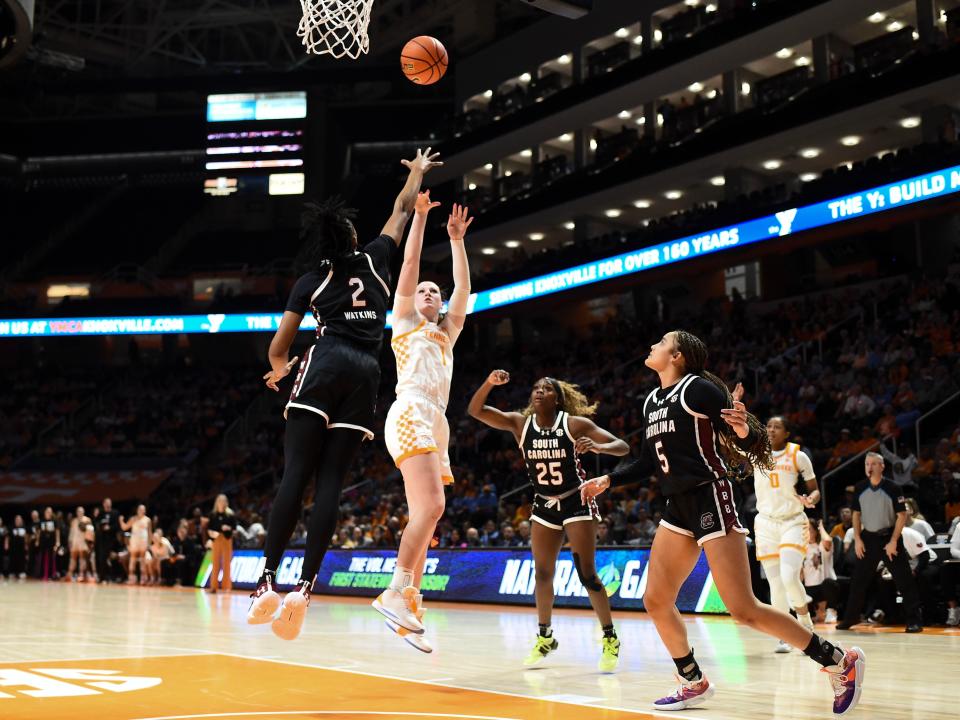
[175, 37]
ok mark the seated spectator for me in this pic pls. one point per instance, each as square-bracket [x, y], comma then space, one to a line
[845, 449]
[846, 522]
[508, 536]
[887, 424]
[916, 521]
[603, 534]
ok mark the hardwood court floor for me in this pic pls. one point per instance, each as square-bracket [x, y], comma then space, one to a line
[117, 653]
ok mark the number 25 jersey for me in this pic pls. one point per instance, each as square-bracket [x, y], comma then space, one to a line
[553, 465]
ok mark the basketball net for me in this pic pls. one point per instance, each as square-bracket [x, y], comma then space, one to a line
[335, 27]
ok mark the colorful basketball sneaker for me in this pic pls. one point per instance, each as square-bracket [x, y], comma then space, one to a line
[417, 641]
[288, 624]
[610, 657]
[689, 694]
[542, 647]
[847, 680]
[400, 607]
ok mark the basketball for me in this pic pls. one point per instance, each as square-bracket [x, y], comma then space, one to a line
[424, 60]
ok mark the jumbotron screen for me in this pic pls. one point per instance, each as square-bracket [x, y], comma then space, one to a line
[255, 144]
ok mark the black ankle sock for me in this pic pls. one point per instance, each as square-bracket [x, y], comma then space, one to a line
[608, 631]
[823, 651]
[687, 668]
[546, 631]
[269, 576]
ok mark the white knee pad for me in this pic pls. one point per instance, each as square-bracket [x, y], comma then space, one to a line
[791, 562]
[778, 594]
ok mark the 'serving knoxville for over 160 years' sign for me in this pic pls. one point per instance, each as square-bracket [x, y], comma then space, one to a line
[782, 224]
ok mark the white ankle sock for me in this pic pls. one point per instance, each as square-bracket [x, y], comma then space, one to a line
[402, 578]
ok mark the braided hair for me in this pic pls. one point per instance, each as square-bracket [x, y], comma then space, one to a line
[327, 231]
[570, 399]
[694, 353]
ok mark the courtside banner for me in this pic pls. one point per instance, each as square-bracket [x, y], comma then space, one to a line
[764, 229]
[499, 575]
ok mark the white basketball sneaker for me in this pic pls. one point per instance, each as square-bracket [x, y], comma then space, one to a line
[400, 607]
[417, 641]
[264, 604]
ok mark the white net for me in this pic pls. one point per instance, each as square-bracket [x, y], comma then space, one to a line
[335, 27]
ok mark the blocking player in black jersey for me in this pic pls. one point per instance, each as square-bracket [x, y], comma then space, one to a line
[553, 432]
[693, 431]
[331, 406]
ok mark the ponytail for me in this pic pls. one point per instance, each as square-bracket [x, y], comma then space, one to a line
[327, 231]
[758, 454]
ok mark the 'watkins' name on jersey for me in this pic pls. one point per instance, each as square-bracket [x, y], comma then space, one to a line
[657, 424]
[361, 315]
[546, 449]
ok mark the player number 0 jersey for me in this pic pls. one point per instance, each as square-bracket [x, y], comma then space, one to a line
[776, 488]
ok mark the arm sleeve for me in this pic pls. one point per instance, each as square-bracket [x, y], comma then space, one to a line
[636, 470]
[805, 466]
[887, 454]
[703, 397]
[381, 251]
[855, 505]
[299, 301]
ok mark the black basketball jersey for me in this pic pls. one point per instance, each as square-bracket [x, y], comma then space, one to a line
[681, 445]
[553, 465]
[18, 539]
[350, 297]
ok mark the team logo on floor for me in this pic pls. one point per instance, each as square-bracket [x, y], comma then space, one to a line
[706, 521]
[69, 682]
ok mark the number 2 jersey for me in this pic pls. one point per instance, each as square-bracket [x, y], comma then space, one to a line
[681, 442]
[349, 298]
[553, 464]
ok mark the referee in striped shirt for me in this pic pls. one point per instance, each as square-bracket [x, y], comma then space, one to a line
[879, 515]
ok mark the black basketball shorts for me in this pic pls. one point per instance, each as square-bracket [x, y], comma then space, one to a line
[338, 380]
[556, 513]
[707, 512]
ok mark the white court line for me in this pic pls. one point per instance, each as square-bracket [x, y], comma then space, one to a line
[111, 657]
[455, 687]
[391, 713]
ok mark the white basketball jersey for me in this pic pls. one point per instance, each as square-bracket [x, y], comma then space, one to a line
[424, 353]
[775, 489]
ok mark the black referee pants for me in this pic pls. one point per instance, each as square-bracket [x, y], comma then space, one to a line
[866, 568]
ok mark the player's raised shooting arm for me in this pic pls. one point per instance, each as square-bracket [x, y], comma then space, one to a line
[410, 270]
[457, 225]
[488, 415]
[404, 204]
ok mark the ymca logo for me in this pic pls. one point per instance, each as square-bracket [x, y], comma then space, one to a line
[785, 218]
[706, 521]
[214, 322]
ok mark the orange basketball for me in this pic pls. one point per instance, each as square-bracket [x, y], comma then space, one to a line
[424, 60]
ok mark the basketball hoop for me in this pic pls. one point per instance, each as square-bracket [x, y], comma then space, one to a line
[335, 27]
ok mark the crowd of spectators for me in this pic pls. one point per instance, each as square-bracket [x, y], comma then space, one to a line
[876, 357]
